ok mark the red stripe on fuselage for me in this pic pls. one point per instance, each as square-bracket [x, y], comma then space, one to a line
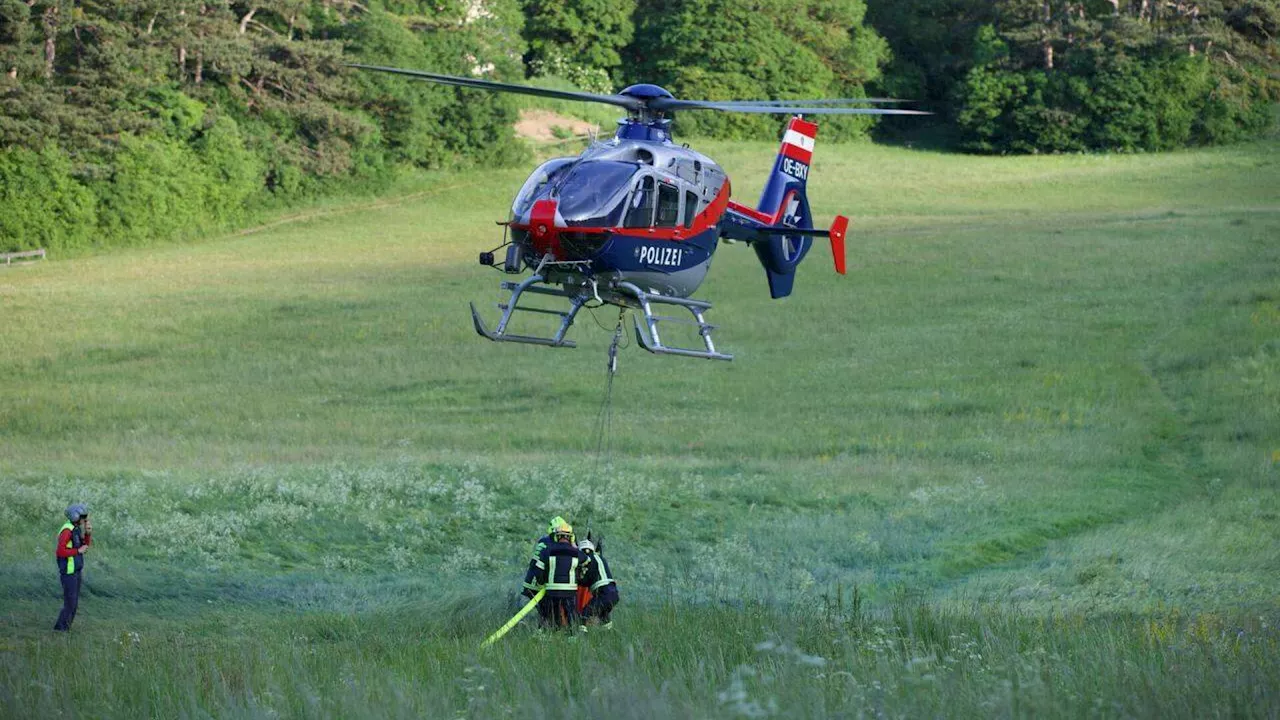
[763, 217]
[702, 221]
[542, 226]
[751, 213]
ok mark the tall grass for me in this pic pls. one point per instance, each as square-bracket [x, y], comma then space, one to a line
[671, 661]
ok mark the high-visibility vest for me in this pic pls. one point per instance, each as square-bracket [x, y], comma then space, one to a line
[71, 561]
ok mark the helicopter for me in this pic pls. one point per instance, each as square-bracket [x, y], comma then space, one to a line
[635, 220]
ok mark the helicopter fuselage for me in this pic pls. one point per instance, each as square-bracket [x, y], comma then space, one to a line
[640, 211]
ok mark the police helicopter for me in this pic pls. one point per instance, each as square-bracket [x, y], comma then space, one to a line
[634, 221]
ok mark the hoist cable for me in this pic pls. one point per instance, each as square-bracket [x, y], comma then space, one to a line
[604, 418]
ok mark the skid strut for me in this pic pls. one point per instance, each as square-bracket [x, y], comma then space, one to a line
[529, 284]
[649, 338]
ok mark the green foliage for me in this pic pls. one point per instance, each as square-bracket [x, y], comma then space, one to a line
[424, 124]
[253, 95]
[234, 174]
[1100, 99]
[582, 77]
[739, 50]
[1032, 76]
[588, 34]
[44, 206]
[407, 111]
[256, 95]
[155, 189]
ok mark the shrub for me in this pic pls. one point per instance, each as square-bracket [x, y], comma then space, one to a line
[233, 173]
[157, 188]
[44, 205]
[1106, 97]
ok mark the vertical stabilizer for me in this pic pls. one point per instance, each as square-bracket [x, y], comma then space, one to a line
[784, 199]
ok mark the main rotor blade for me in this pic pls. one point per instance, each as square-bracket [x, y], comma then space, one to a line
[618, 100]
[824, 101]
[671, 104]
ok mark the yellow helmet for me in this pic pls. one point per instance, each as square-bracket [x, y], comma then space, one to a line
[556, 522]
[563, 529]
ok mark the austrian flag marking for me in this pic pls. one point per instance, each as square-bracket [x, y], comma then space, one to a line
[798, 141]
[804, 142]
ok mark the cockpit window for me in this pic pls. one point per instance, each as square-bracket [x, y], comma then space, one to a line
[668, 205]
[690, 208]
[536, 183]
[640, 210]
[592, 193]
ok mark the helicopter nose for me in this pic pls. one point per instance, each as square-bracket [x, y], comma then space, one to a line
[542, 225]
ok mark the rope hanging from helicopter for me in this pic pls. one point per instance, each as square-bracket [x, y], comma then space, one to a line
[604, 418]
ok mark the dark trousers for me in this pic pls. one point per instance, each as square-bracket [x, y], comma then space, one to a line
[559, 609]
[70, 600]
[601, 605]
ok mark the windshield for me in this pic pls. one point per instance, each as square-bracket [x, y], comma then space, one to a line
[593, 193]
[536, 183]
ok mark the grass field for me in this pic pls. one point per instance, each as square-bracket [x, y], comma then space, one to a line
[1024, 460]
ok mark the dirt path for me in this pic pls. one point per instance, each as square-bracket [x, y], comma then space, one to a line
[540, 125]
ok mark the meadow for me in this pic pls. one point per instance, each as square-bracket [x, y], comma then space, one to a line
[1024, 460]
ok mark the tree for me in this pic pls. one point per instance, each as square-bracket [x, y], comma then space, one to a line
[171, 115]
[588, 33]
[933, 44]
[423, 123]
[745, 49]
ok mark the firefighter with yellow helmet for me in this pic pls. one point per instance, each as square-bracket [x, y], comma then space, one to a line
[558, 568]
[529, 589]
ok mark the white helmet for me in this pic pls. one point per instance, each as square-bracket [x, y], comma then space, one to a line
[586, 545]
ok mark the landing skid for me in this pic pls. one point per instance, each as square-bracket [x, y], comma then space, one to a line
[512, 305]
[649, 338]
[624, 293]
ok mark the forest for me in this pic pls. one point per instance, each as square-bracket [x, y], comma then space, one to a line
[126, 122]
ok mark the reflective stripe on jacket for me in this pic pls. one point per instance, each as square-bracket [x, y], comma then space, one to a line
[557, 567]
[596, 573]
[531, 573]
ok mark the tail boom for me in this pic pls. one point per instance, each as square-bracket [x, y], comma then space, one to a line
[780, 228]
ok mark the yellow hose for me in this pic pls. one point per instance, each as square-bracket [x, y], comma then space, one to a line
[533, 602]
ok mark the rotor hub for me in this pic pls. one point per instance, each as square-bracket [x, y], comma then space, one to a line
[646, 91]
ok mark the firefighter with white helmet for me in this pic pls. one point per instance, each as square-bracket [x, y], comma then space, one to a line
[597, 578]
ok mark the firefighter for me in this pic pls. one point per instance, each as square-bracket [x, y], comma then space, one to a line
[74, 540]
[558, 568]
[529, 589]
[604, 588]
